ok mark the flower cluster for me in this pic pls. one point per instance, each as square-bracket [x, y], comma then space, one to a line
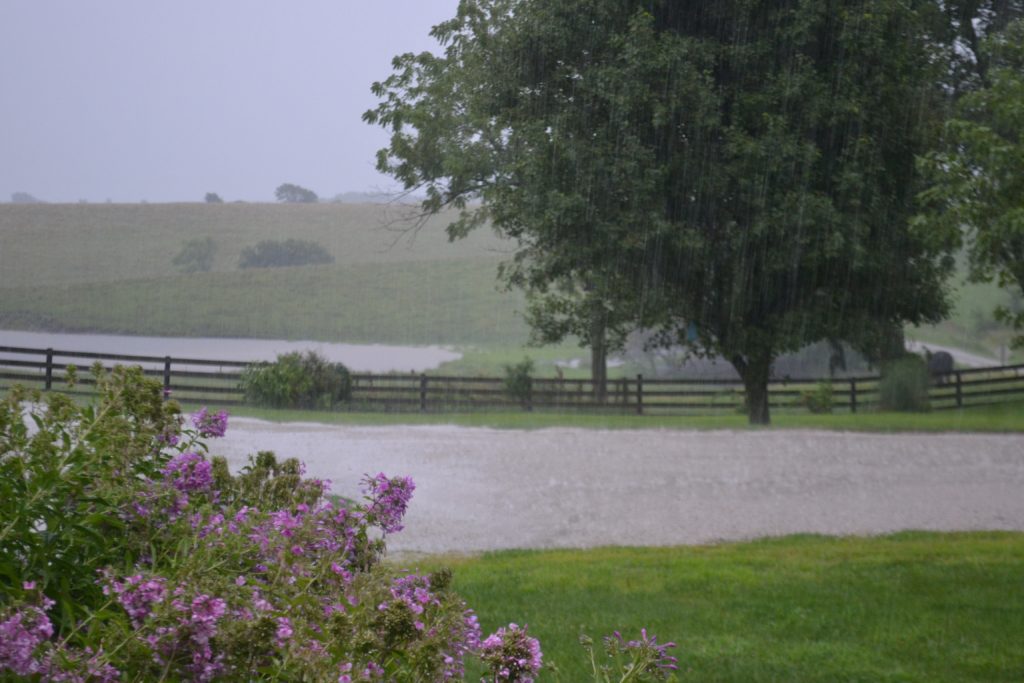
[389, 499]
[21, 632]
[189, 472]
[210, 426]
[511, 655]
[137, 595]
[26, 649]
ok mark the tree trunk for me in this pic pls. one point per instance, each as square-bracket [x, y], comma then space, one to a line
[598, 357]
[755, 373]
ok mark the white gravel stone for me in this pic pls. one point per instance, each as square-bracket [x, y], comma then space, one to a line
[487, 489]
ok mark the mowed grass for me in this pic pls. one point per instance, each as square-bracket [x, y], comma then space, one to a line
[998, 417]
[905, 607]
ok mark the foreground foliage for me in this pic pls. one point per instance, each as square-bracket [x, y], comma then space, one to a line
[978, 190]
[127, 554]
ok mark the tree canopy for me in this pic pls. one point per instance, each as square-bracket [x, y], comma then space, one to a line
[743, 168]
[978, 178]
[294, 194]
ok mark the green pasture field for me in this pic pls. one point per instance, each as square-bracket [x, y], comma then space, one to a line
[107, 268]
[60, 244]
[415, 303]
[906, 607]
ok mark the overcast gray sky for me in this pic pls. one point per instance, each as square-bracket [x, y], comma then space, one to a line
[165, 101]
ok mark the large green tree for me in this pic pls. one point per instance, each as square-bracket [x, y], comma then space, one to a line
[745, 166]
[978, 178]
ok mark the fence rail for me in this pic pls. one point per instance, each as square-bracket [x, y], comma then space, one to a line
[194, 380]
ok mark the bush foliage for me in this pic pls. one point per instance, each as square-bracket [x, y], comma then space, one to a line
[519, 381]
[281, 254]
[128, 554]
[819, 399]
[297, 380]
[904, 385]
[196, 256]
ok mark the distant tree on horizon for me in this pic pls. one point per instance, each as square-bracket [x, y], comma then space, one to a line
[294, 194]
[213, 198]
[24, 198]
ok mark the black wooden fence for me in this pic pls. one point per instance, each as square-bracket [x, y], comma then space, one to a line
[216, 382]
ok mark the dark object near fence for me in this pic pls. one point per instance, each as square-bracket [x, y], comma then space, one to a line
[940, 365]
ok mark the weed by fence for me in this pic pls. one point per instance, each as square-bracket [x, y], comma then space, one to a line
[216, 382]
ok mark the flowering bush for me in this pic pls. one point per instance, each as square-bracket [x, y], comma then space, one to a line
[126, 553]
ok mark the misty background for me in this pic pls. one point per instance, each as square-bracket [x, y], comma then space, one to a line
[132, 101]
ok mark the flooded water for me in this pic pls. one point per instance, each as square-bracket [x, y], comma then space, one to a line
[357, 357]
[487, 489]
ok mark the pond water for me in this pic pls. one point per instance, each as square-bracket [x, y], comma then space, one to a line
[357, 357]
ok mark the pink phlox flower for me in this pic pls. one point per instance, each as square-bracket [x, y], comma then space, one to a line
[260, 603]
[138, 595]
[388, 500]
[284, 630]
[210, 426]
[189, 472]
[20, 634]
[511, 654]
[372, 670]
[285, 522]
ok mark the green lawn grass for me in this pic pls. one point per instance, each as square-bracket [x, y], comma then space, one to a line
[906, 607]
[1000, 417]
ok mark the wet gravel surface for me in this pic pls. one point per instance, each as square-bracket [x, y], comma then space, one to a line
[484, 489]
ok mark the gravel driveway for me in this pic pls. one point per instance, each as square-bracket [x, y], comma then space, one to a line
[483, 489]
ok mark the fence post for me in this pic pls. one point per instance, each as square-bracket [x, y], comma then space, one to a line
[529, 394]
[167, 377]
[639, 394]
[423, 392]
[959, 395]
[49, 368]
[853, 396]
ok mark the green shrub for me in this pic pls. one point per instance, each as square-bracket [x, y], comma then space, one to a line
[519, 381]
[297, 380]
[290, 252]
[127, 554]
[196, 256]
[904, 385]
[819, 399]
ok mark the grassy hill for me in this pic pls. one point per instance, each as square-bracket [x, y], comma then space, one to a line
[107, 268]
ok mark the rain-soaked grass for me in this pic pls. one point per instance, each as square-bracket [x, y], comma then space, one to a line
[1002, 417]
[907, 607]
